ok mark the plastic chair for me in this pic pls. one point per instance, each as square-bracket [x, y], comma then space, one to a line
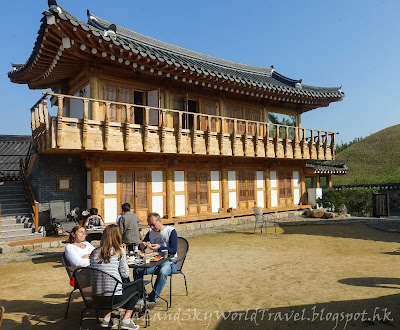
[90, 283]
[183, 248]
[260, 218]
[70, 272]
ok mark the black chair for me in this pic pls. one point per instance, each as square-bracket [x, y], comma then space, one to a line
[70, 272]
[93, 296]
[183, 248]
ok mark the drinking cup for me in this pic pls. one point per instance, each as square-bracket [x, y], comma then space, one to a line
[164, 253]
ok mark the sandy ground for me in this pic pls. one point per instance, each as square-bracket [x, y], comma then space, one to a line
[343, 276]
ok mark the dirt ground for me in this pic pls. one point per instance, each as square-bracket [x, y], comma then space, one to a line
[339, 276]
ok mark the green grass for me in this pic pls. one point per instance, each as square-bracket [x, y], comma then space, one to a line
[376, 159]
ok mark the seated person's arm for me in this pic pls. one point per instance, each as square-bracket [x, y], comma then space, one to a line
[74, 259]
[101, 222]
[86, 223]
[146, 239]
[123, 266]
[173, 243]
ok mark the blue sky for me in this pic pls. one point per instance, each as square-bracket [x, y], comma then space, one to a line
[348, 43]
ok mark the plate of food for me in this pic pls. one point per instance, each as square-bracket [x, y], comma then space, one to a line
[155, 258]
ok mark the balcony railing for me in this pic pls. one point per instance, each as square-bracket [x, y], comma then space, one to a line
[137, 128]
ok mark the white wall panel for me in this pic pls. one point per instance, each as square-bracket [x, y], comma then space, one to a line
[110, 182]
[296, 179]
[157, 205]
[260, 179]
[215, 202]
[180, 205]
[274, 198]
[88, 183]
[157, 182]
[260, 198]
[232, 199]
[296, 196]
[232, 180]
[214, 180]
[272, 179]
[110, 210]
[179, 181]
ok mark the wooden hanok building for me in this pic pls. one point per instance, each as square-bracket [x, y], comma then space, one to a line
[190, 136]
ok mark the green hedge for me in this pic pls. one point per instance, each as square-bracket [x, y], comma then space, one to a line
[358, 201]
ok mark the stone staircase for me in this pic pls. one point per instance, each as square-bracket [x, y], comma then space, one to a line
[15, 220]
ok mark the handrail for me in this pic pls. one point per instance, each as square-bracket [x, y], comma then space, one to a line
[30, 197]
[172, 110]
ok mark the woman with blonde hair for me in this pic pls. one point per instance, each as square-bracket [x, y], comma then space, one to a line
[110, 257]
[77, 252]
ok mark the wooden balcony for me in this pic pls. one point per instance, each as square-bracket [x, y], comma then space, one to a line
[135, 128]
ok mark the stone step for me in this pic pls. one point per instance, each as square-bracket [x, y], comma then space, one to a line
[16, 226]
[18, 218]
[15, 212]
[10, 206]
[16, 232]
[20, 237]
[13, 199]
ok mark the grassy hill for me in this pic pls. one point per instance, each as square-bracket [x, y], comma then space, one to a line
[376, 159]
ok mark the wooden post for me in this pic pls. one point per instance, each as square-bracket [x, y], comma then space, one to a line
[179, 133]
[146, 129]
[36, 206]
[246, 130]
[234, 136]
[95, 94]
[333, 145]
[208, 137]
[170, 189]
[224, 181]
[97, 196]
[127, 140]
[107, 126]
[256, 135]
[163, 130]
[46, 113]
[59, 120]
[194, 136]
[33, 124]
[85, 123]
[221, 135]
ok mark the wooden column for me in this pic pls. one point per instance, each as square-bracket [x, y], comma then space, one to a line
[95, 94]
[170, 189]
[97, 194]
[330, 180]
[224, 184]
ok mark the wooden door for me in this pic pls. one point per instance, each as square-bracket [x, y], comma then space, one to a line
[134, 191]
[246, 182]
[285, 188]
[197, 187]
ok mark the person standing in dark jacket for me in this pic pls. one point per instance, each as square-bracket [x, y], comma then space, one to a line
[128, 225]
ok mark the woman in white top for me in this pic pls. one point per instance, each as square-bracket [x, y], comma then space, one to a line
[78, 251]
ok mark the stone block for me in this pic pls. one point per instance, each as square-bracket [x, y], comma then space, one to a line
[27, 247]
[329, 215]
[317, 213]
[4, 248]
[45, 245]
[37, 246]
[54, 244]
[307, 213]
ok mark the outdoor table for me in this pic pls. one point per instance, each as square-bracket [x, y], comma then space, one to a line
[150, 265]
[94, 233]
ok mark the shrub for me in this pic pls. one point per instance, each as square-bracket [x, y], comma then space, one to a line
[357, 200]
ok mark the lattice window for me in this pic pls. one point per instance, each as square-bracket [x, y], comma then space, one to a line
[126, 97]
[288, 185]
[111, 95]
[242, 186]
[192, 188]
[203, 188]
[141, 190]
[250, 186]
[127, 188]
[282, 185]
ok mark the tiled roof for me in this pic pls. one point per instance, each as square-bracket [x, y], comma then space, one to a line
[323, 168]
[264, 78]
[12, 149]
